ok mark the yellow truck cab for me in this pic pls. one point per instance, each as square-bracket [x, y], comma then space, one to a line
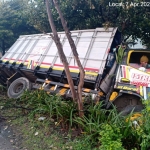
[132, 83]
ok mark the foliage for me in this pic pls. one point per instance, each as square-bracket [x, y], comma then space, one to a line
[23, 17]
[91, 122]
[144, 130]
[107, 128]
[51, 106]
[82, 143]
[120, 54]
[37, 15]
[13, 22]
[48, 135]
[110, 137]
[100, 128]
[95, 115]
[130, 20]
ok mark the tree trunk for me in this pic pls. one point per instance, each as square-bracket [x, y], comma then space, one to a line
[75, 53]
[60, 51]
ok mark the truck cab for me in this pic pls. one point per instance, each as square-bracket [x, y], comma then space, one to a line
[132, 82]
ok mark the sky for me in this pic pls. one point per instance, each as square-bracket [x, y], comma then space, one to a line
[138, 45]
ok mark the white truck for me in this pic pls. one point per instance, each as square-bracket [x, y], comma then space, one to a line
[33, 63]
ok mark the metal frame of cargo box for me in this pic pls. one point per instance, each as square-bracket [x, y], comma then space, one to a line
[11, 70]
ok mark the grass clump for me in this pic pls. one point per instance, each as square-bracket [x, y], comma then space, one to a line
[61, 127]
[39, 103]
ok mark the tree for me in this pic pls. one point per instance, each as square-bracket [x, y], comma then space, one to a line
[60, 50]
[6, 33]
[56, 39]
[75, 53]
[37, 16]
[87, 14]
[13, 22]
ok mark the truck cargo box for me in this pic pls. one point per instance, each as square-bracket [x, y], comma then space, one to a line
[36, 57]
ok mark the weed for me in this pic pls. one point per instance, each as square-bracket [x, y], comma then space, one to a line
[110, 137]
[51, 106]
[100, 128]
[144, 129]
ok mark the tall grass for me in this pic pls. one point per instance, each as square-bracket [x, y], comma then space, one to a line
[104, 129]
[51, 106]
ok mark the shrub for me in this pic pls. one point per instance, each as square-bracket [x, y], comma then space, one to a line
[51, 106]
[110, 137]
[144, 130]
[103, 128]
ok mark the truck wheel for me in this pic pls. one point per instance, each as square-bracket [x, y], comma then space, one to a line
[17, 87]
[126, 103]
[127, 110]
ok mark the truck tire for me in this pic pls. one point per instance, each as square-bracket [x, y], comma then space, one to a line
[126, 103]
[127, 110]
[18, 86]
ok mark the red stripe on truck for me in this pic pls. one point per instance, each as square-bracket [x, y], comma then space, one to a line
[124, 71]
[59, 65]
[15, 59]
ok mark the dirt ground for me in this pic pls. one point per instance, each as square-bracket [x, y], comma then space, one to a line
[9, 139]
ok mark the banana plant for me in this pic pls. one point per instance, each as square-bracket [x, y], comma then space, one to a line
[120, 54]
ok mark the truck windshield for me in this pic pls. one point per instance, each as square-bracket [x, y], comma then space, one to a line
[134, 58]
